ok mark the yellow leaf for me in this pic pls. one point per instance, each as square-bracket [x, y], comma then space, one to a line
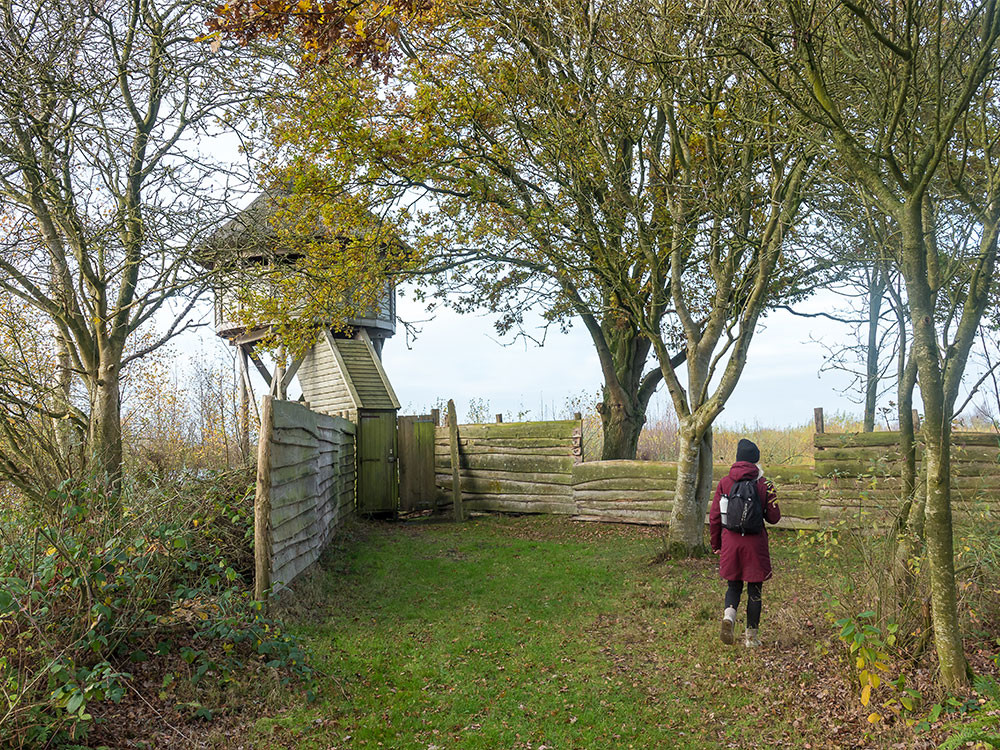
[866, 695]
[50, 551]
[876, 680]
[874, 717]
[860, 663]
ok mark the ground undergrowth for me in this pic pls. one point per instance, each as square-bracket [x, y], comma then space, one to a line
[546, 634]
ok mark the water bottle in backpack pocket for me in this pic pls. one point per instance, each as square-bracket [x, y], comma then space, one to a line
[742, 510]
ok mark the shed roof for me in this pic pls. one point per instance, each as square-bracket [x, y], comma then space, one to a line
[258, 229]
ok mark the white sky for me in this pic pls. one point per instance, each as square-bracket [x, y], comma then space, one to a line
[459, 356]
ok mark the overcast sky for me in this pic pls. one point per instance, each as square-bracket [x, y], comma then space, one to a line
[460, 357]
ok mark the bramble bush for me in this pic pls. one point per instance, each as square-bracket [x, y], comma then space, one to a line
[90, 586]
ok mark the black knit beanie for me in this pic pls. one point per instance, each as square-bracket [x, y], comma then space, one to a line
[747, 451]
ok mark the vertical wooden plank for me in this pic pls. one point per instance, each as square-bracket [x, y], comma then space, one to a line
[378, 488]
[408, 499]
[916, 420]
[244, 415]
[416, 462]
[456, 480]
[424, 447]
[499, 418]
[262, 504]
[818, 418]
[436, 417]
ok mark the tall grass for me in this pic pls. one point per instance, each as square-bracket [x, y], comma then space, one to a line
[658, 441]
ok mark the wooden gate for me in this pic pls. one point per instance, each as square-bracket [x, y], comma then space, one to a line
[378, 482]
[416, 462]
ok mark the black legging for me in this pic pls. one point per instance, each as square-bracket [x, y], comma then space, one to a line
[754, 601]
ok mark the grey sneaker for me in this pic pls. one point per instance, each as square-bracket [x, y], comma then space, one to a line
[753, 639]
[728, 622]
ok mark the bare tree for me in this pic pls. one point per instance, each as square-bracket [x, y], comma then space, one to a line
[901, 91]
[105, 188]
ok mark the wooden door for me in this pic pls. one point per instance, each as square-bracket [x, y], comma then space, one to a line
[416, 462]
[378, 482]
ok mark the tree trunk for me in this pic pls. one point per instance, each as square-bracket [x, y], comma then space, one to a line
[686, 536]
[621, 424]
[105, 438]
[907, 431]
[622, 351]
[68, 441]
[244, 407]
[876, 293]
[909, 526]
[938, 535]
[706, 486]
[941, 556]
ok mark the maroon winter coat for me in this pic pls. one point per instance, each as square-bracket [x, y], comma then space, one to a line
[744, 557]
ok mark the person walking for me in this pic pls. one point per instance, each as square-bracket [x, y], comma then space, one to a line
[743, 500]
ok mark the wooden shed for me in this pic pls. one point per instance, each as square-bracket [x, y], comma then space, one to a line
[344, 376]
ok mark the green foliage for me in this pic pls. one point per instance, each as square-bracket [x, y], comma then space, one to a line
[89, 594]
[868, 646]
[983, 729]
[825, 540]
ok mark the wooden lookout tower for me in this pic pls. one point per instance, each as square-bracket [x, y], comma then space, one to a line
[340, 374]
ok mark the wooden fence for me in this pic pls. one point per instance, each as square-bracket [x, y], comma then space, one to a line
[522, 466]
[866, 466]
[535, 467]
[305, 488]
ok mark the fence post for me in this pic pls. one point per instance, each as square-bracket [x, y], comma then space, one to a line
[818, 418]
[262, 504]
[499, 418]
[436, 417]
[456, 479]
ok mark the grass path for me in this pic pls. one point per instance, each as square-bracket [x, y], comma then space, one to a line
[540, 633]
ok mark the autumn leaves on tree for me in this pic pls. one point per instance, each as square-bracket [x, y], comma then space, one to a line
[646, 169]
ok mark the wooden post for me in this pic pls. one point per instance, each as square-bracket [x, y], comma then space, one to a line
[577, 416]
[244, 414]
[456, 479]
[916, 420]
[262, 504]
[818, 417]
[499, 418]
[436, 417]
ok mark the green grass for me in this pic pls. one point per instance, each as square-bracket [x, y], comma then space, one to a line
[531, 632]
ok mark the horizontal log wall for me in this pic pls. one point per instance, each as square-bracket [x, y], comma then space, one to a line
[305, 490]
[643, 492]
[523, 467]
[870, 463]
[535, 467]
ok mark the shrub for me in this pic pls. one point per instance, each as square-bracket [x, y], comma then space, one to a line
[102, 585]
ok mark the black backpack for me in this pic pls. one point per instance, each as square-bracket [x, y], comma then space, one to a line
[745, 512]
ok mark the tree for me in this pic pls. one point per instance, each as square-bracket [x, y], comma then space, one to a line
[732, 183]
[520, 154]
[104, 189]
[902, 92]
[361, 32]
